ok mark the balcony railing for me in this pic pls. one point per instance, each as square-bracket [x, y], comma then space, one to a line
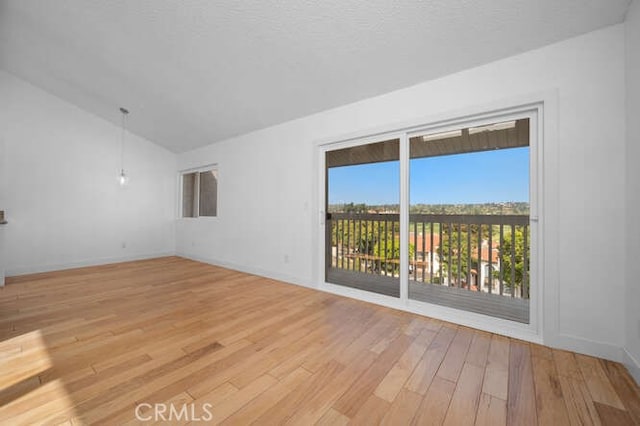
[480, 255]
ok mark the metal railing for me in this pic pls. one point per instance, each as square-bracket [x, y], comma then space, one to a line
[482, 253]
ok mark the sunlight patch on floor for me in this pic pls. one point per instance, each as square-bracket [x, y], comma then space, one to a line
[23, 400]
[49, 403]
[23, 356]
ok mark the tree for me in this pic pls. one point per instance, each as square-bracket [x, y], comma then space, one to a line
[390, 254]
[355, 208]
[452, 234]
[508, 264]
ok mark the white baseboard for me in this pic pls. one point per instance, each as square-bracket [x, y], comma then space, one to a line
[249, 270]
[584, 346]
[632, 364]
[25, 270]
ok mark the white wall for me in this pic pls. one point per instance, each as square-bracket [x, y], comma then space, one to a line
[60, 191]
[633, 189]
[268, 181]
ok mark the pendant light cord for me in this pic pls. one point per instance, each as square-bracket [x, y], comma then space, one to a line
[124, 125]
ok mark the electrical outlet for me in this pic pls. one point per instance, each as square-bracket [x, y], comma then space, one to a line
[286, 258]
[124, 244]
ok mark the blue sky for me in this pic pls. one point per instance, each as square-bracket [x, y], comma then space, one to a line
[479, 177]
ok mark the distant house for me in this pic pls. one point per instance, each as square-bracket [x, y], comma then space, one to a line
[427, 245]
[489, 264]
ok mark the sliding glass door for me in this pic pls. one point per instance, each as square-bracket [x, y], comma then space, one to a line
[469, 219]
[362, 231]
[467, 234]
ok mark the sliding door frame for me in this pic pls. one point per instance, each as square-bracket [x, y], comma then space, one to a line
[534, 112]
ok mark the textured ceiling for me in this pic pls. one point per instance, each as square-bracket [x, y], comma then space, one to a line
[194, 72]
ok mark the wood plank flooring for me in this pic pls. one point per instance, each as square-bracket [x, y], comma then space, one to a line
[98, 345]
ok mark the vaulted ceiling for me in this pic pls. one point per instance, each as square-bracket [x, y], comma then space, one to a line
[194, 72]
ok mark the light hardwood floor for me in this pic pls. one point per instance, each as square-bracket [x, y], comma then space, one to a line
[89, 345]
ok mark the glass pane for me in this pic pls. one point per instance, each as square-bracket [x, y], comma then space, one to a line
[188, 194]
[363, 228]
[209, 193]
[469, 219]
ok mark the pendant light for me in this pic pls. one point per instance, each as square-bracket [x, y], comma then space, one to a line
[123, 179]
